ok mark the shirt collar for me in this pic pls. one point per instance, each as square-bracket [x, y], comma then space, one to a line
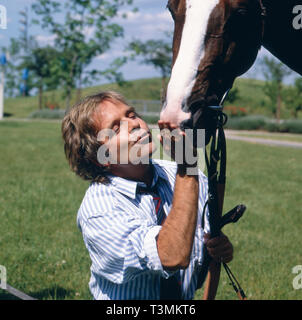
[129, 187]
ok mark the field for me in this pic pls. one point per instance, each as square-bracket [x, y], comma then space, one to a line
[43, 250]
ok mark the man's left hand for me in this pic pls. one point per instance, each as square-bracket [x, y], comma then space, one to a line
[219, 248]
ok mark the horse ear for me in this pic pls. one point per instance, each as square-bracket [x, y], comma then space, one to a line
[175, 6]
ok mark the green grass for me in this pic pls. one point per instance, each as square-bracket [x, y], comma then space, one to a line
[43, 250]
[251, 95]
[267, 239]
[40, 243]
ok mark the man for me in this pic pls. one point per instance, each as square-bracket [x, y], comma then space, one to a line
[141, 220]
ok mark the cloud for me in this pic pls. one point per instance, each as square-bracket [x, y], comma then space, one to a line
[43, 39]
[145, 25]
[143, 17]
[112, 54]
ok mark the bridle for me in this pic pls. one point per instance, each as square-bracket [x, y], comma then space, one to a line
[263, 17]
[216, 188]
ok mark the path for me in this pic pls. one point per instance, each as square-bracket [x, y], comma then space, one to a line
[235, 135]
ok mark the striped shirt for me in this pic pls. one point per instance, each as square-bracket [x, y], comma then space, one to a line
[119, 228]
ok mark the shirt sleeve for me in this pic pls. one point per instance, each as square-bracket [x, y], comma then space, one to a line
[122, 246]
[202, 226]
[203, 197]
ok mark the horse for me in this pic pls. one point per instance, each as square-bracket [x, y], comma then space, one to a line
[214, 42]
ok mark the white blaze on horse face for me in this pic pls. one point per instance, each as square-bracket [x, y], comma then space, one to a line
[191, 51]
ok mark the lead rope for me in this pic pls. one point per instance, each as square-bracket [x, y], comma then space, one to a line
[218, 153]
[234, 282]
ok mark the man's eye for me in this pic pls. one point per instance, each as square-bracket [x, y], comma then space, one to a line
[132, 115]
[116, 128]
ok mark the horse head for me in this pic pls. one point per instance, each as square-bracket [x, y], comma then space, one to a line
[214, 42]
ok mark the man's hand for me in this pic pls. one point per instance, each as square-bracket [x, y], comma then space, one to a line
[176, 144]
[219, 248]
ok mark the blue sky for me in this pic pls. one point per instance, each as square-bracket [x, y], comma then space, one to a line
[150, 22]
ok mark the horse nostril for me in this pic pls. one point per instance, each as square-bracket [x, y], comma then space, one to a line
[184, 107]
[212, 100]
[186, 124]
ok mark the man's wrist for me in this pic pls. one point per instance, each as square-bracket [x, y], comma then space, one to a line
[188, 169]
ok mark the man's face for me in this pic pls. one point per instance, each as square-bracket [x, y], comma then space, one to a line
[123, 133]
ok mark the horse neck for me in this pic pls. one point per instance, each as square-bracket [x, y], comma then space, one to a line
[279, 37]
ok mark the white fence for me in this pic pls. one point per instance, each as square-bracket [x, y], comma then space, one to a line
[147, 107]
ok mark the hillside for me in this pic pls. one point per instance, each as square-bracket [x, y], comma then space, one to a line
[251, 96]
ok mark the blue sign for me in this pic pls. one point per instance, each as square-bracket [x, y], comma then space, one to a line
[25, 74]
[23, 88]
[3, 59]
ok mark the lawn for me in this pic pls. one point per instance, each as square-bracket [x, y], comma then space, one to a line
[41, 246]
[43, 250]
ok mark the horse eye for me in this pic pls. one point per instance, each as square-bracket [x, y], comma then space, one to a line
[241, 12]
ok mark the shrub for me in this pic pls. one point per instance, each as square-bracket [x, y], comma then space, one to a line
[272, 126]
[292, 126]
[246, 123]
[260, 122]
[47, 114]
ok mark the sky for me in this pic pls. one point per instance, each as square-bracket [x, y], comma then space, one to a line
[150, 22]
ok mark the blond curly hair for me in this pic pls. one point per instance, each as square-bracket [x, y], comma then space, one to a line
[79, 133]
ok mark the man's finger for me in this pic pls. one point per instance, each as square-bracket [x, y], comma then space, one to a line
[221, 251]
[217, 241]
[227, 259]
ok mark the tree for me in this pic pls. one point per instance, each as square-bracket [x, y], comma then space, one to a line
[293, 97]
[11, 74]
[86, 32]
[24, 43]
[232, 96]
[18, 51]
[274, 72]
[42, 64]
[157, 53]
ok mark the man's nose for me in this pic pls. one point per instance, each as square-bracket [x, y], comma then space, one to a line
[133, 124]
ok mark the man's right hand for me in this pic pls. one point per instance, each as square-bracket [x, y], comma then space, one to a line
[177, 145]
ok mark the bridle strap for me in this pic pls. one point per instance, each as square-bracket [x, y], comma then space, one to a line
[216, 187]
[263, 8]
[216, 190]
[263, 17]
[217, 155]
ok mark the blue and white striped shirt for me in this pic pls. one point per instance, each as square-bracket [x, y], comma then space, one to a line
[119, 228]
